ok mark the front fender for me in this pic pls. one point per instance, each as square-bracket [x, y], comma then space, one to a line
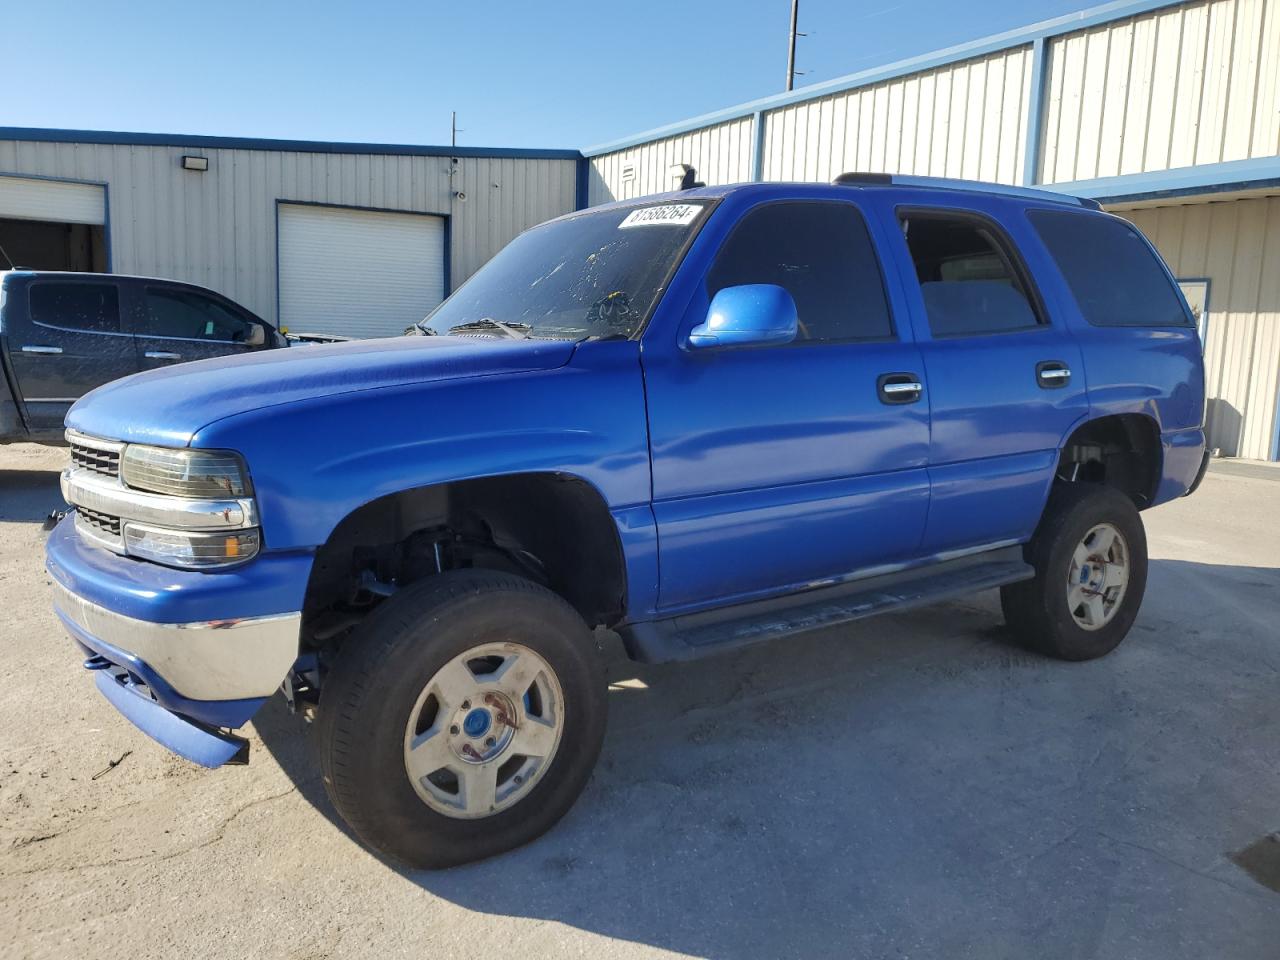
[315, 461]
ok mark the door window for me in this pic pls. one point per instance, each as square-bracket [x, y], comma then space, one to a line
[93, 307]
[822, 254]
[1116, 279]
[968, 279]
[190, 316]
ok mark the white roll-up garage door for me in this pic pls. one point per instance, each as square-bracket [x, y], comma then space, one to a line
[54, 201]
[358, 273]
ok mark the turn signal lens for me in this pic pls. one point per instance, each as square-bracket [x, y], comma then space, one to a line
[190, 551]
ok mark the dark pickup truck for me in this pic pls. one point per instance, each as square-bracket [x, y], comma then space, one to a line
[62, 334]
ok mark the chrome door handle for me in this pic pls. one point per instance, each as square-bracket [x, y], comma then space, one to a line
[1052, 373]
[162, 355]
[899, 387]
[41, 349]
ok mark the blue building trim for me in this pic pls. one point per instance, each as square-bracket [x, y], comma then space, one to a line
[1180, 182]
[1068, 23]
[581, 188]
[1035, 112]
[757, 146]
[111, 137]
[1275, 436]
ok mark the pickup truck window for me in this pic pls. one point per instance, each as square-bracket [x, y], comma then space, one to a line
[189, 316]
[94, 307]
[1094, 252]
[822, 254]
[592, 275]
[967, 276]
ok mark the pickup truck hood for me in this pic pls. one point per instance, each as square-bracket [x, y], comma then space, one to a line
[168, 406]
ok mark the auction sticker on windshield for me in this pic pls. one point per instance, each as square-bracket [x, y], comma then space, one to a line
[676, 214]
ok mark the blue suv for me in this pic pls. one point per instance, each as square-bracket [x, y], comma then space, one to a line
[703, 420]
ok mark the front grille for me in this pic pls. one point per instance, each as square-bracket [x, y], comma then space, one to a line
[101, 525]
[105, 462]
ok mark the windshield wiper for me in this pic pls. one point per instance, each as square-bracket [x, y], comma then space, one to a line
[516, 331]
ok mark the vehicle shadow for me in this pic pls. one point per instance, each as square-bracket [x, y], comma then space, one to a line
[915, 783]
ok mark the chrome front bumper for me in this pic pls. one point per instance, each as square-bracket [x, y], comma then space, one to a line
[210, 660]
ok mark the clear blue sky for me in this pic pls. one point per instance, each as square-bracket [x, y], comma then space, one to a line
[540, 73]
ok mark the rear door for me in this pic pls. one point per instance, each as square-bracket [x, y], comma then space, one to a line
[1006, 380]
[778, 467]
[66, 339]
[176, 323]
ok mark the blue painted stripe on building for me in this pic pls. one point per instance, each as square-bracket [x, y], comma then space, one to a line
[757, 146]
[1068, 23]
[111, 137]
[1035, 112]
[580, 185]
[1181, 181]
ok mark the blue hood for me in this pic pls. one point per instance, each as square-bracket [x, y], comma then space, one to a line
[170, 405]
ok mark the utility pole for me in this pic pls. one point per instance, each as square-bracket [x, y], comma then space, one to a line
[791, 45]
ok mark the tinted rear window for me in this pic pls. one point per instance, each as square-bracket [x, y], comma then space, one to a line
[76, 306]
[1116, 279]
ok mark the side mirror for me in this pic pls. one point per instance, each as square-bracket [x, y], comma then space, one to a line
[257, 335]
[752, 314]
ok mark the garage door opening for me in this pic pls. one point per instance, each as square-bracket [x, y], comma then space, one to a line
[358, 273]
[53, 224]
[47, 245]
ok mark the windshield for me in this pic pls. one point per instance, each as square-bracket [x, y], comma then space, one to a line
[594, 275]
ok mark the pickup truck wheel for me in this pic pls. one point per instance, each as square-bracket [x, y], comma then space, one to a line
[1090, 557]
[462, 719]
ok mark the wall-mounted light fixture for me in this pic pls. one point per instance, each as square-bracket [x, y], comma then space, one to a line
[195, 163]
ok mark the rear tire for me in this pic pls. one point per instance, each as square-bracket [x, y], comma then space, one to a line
[1090, 558]
[508, 763]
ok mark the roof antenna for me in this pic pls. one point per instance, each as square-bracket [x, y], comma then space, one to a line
[688, 180]
[5, 254]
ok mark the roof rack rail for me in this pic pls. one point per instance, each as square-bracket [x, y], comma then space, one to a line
[859, 178]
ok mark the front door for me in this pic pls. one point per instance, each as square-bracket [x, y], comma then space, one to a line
[68, 340]
[787, 466]
[177, 324]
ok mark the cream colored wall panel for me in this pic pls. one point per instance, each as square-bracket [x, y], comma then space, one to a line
[1192, 84]
[720, 153]
[1236, 245]
[962, 120]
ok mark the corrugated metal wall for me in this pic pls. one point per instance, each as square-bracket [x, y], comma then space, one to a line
[1193, 84]
[963, 120]
[218, 229]
[721, 154]
[1236, 244]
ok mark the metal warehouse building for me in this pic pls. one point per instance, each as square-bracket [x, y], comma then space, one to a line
[354, 239]
[1167, 112]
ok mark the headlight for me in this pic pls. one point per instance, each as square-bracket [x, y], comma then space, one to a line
[205, 474]
[189, 550]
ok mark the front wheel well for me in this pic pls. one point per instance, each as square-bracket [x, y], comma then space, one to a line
[552, 528]
[1121, 451]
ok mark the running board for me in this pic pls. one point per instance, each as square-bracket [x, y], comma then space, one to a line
[702, 634]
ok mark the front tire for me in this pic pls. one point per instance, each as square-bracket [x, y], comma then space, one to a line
[1090, 558]
[462, 718]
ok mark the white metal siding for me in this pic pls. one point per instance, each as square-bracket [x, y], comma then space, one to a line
[1192, 84]
[358, 273]
[25, 198]
[1236, 244]
[721, 154]
[963, 120]
[218, 228]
